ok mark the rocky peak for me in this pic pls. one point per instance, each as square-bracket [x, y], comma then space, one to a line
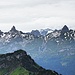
[65, 28]
[13, 29]
[36, 33]
[20, 53]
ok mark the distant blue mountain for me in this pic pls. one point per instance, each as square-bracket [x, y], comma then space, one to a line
[36, 33]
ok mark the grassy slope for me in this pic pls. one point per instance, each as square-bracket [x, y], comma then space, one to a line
[23, 71]
[20, 71]
[17, 71]
[3, 71]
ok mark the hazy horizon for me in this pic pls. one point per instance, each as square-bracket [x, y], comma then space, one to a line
[36, 29]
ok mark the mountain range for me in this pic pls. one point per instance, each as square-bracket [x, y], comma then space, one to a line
[46, 34]
[52, 49]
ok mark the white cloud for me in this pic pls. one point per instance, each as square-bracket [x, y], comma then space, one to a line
[36, 14]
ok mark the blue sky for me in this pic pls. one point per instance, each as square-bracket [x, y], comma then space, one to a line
[26, 15]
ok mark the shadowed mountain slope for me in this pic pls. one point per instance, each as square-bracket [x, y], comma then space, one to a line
[19, 63]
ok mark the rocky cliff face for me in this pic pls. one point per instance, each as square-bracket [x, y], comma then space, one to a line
[10, 61]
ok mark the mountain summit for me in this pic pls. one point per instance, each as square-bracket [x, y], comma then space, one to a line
[13, 29]
[65, 28]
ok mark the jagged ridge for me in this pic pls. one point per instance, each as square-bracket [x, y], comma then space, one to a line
[65, 33]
